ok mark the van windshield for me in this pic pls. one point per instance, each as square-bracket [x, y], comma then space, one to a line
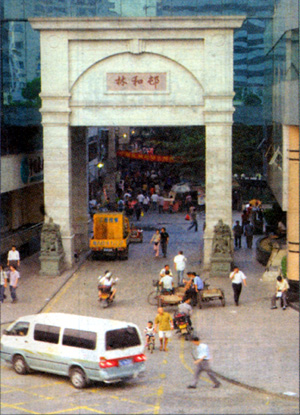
[122, 338]
[19, 329]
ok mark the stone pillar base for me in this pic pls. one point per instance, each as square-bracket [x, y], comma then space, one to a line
[220, 267]
[52, 266]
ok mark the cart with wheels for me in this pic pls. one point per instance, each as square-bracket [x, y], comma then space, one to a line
[210, 294]
[157, 298]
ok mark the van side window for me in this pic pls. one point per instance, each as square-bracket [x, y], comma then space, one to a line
[121, 338]
[19, 329]
[79, 338]
[46, 333]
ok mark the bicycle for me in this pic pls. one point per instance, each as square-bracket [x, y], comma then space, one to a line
[154, 296]
[151, 343]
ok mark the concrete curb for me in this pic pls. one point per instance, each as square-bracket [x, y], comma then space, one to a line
[256, 389]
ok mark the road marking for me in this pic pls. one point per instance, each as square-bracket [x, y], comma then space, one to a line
[59, 295]
[86, 408]
[13, 389]
[27, 411]
[159, 393]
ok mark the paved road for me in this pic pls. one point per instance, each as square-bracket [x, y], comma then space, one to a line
[255, 349]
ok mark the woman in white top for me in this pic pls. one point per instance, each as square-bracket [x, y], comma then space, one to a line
[237, 277]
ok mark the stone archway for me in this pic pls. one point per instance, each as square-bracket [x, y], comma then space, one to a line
[172, 71]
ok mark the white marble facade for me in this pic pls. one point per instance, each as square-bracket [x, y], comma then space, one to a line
[160, 71]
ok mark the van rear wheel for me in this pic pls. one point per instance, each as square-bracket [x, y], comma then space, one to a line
[20, 365]
[78, 378]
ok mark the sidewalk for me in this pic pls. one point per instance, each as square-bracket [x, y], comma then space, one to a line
[34, 290]
[251, 344]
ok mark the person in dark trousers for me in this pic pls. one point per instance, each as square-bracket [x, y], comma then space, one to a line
[202, 357]
[249, 232]
[164, 240]
[237, 232]
[237, 277]
[282, 287]
[194, 223]
[13, 282]
[138, 210]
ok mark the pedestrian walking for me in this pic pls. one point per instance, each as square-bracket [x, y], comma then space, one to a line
[164, 322]
[164, 240]
[193, 216]
[202, 357]
[3, 283]
[180, 264]
[249, 232]
[146, 203]
[282, 287]
[188, 203]
[237, 277]
[161, 201]
[13, 257]
[154, 200]
[156, 242]
[14, 277]
[138, 210]
[237, 233]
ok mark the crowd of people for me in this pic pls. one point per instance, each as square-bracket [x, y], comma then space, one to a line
[140, 189]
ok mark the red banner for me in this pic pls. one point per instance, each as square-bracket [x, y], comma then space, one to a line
[150, 157]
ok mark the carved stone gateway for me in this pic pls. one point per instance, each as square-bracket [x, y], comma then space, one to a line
[52, 253]
[133, 71]
[222, 251]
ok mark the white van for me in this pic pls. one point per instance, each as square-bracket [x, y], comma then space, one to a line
[83, 348]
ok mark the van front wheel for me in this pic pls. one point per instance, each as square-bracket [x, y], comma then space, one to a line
[20, 365]
[77, 377]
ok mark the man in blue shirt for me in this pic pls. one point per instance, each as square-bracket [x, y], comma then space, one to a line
[202, 357]
[193, 286]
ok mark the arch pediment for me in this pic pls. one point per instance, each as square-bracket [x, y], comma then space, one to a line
[128, 79]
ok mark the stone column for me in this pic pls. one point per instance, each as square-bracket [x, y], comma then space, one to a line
[58, 183]
[80, 217]
[293, 206]
[55, 112]
[218, 204]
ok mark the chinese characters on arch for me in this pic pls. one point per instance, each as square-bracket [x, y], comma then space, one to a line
[139, 82]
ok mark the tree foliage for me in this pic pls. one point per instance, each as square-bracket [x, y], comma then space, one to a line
[186, 143]
[246, 157]
[31, 92]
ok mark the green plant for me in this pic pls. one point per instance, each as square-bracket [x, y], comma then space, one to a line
[274, 215]
[284, 266]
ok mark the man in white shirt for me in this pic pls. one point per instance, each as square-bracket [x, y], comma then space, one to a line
[14, 276]
[202, 357]
[140, 198]
[237, 277]
[106, 284]
[164, 270]
[154, 200]
[180, 264]
[13, 257]
[167, 283]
